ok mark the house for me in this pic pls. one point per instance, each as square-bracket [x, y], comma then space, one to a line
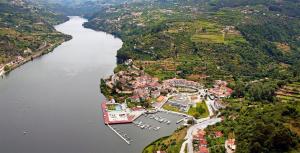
[19, 59]
[220, 89]
[155, 93]
[203, 149]
[201, 132]
[112, 101]
[230, 145]
[218, 134]
[141, 92]
[160, 98]
[203, 143]
[128, 62]
[135, 99]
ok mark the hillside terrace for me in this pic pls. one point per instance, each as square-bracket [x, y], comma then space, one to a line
[181, 83]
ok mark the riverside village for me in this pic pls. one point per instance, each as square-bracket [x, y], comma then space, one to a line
[134, 96]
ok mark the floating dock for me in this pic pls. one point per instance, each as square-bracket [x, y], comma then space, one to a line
[128, 142]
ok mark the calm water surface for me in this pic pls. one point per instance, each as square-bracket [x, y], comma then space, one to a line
[56, 100]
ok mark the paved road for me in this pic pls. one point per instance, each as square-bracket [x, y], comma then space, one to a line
[200, 125]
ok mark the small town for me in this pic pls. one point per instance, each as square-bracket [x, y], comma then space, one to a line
[150, 76]
[140, 94]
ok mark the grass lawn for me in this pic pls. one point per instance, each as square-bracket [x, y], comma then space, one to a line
[111, 107]
[200, 111]
[171, 108]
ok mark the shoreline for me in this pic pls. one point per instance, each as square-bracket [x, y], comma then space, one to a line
[35, 55]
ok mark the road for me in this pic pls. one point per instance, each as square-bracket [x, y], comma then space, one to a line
[189, 135]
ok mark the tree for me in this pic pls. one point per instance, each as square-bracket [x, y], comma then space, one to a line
[6, 68]
[200, 110]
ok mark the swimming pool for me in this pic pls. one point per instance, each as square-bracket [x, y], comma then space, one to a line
[118, 108]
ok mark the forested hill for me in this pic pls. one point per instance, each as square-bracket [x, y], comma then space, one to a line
[25, 29]
[287, 7]
[76, 7]
[244, 41]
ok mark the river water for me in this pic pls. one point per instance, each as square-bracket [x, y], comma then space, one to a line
[52, 104]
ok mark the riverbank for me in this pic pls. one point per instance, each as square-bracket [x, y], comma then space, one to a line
[42, 51]
[170, 143]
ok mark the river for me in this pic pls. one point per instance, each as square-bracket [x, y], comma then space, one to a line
[52, 104]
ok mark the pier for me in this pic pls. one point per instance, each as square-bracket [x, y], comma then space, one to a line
[128, 142]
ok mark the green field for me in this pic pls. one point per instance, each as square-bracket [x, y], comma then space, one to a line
[171, 108]
[209, 38]
[200, 111]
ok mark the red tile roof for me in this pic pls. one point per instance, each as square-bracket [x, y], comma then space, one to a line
[203, 149]
[218, 134]
[203, 142]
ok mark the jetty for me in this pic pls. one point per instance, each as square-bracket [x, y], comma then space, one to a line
[127, 141]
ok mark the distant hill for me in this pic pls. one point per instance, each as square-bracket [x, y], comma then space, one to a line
[76, 7]
[25, 28]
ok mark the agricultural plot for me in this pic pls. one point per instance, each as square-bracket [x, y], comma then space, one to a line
[289, 93]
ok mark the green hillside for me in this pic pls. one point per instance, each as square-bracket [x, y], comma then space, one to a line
[254, 45]
[25, 29]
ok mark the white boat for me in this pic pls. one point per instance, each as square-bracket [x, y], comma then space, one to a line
[157, 128]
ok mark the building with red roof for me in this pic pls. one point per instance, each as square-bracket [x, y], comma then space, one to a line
[218, 134]
[203, 143]
[203, 149]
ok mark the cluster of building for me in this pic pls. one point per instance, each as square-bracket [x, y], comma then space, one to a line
[146, 87]
[199, 142]
[18, 60]
[220, 89]
[139, 85]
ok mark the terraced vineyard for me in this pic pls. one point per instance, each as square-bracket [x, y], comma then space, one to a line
[289, 93]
